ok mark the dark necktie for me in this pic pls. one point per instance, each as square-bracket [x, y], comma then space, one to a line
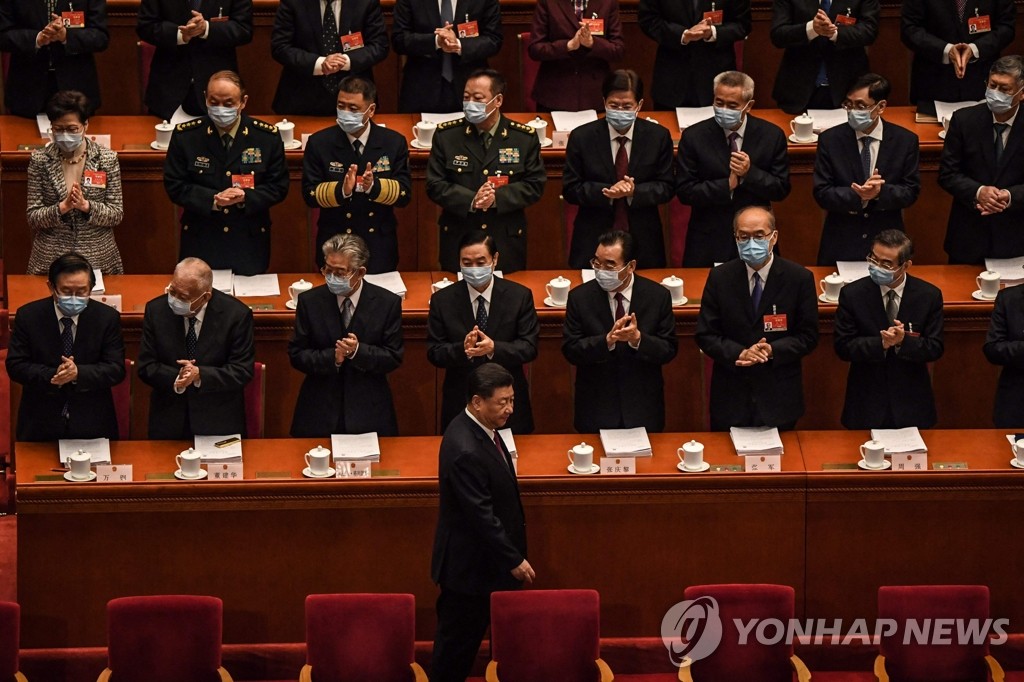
[579, 6]
[346, 313]
[190, 340]
[755, 295]
[67, 339]
[330, 44]
[481, 313]
[447, 17]
[734, 142]
[504, 455]
[226, 139]
[485, 140]
[620, 309]
[961, 9]
[1000, 129]
[865, 156]
[621, 171]
[892, 308]
[357, 147]
[822, 79]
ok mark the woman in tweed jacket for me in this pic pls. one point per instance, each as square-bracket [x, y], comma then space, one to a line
[74, 192]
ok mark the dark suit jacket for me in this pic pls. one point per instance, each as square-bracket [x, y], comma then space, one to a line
[703, 183]
[353, 398]
[969, 162]
[850, 227]
[296, 43]
[481, 530]
[412, 35]
[888, 388]
[33, 357]
[26, 87]
[590, 167]
[225, 353]
[571, 81]
[621, 388]
[845, 59]
[512, 324]
[178, 69]
[927, 27]
[684, 74]
[771, 393]
[1004, 346]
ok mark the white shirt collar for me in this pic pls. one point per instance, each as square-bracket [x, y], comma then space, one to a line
[362, 138]
[627, 134]
[875, 134]
[60, 315]
[898, 289]
[486, 293]
[354, 296]
[489, 432]
[1008, 121]
[741, 131]
[763, 271]
[627, 293]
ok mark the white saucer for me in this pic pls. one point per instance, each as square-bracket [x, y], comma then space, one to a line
[546, 143]
[203, 473]
[290, 304]
[551, 304]
[330, 473]
[704, 466]
[977, 295]
[294, 144]
[71, 479]
[684, 301]
[156, 145]
[864, 465]
[824, 299]
[1013, 462]
[417, 145]
[942, 134]
[814, 139]
[593, 470]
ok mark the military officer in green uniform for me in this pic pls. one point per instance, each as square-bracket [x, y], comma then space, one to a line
[355, 173]
[226, 170]
[484, 170]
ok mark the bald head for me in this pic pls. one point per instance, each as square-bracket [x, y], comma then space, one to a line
[192, 278]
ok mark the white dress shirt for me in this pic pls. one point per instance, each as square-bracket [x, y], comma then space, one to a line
[763, 272]
[60, 325]
[875, 135]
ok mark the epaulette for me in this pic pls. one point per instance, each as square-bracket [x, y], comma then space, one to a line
[263, 125]
[522, 126]
[189, 125]
[451, 124]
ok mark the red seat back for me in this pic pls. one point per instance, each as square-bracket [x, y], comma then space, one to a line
[255, 401]
[123, 402]
[678, 225]
[10, 623]
[528, 68]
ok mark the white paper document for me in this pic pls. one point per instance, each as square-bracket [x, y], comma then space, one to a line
[180, 116]
[222, 281]
[687, 116]
[392, 281]
[827, 118]
[626, 442]
[509, 441]
[1009, 269]
[100, 286]
[1012, 438]
[900, 440]
[206, 446]
[759, 440]
[441, 118]
[255, 285]
[98, 449]
[43, 123]
[570, 120]
[587, 275]
[946, 109]
[852, 270]
[355, 446]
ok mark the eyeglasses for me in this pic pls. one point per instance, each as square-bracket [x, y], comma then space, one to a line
[615, 106]
[181, 297]
[598, 265]
[74, 130]
[744, 238]
[885, 266]
[343, 274]
[858, 106]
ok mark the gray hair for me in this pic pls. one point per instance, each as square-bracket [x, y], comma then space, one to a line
[737, 79]
[1010, 65]
[746, 209]
[197, 270]
[351, 245]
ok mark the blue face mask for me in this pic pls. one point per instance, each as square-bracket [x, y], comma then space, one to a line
[754, 251]
[999, 102]
[477, 277]
[72, 305]
[620, 120]
[68, 142]
[608, 279]
[728, 119]
[881, 276]
[476, 112]
[223, 117]
[179, 307]
[351, 121]
[860, 120]
[339, 286]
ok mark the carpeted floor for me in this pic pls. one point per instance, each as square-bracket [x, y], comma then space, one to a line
[8, 558]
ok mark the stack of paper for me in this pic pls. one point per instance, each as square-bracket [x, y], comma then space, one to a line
[441, 118]
[570, 120]
[230, 449]
[392, 281]
[687, 116]
[100, 286]
[222, 281]
[626, 442]
[827, 118]
[509, 441]
[255, 285]
[98, 449]
[587, 275]
[853, 270]
[760, 440]
[906, 441]
[946, 109]
[355, 447]
[1011, 270]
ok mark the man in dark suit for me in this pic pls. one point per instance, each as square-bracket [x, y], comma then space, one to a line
[758, 319]
[480, 319]
[727, 163]
[443, 41]
[480, 543]
[619, 172]
[356, 172]
[319, 42]
[347, 339]
[982, 166]
[825, 46]
[226, 170]
[67, 353]
[197, 354]
[194, 39]
[484, 170]
[51, 46]
[619, 331]
[865, 174]
[1004, 346]
[954, 45]
[696, 41]
[889, 327]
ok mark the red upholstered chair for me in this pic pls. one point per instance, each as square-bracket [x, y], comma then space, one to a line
[357, 637]
[910, 661]
[255, 401]
[123, 402]
[528, 68]
[546, 635]
[732, 661]
[10, 623]
[169, 638]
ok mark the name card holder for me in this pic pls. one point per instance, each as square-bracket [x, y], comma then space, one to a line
[618, 466]
[114, 473]
[763, 464]
[910, 461]
[345, 469]
[225, 471]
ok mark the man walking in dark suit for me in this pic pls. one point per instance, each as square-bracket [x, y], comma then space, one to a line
[347, 339]
[619, 331]
[696, 41]
[727, 163]
[480, 543]
[194, 39]
[443, 41]
[889, 327]
[67, 353]
[982, 166]
[480, 319]
[1004, 346]
[619, 172]
[758, 319]
[197, 354]
[356, 172]
[954, 45]
[319, 42]
[865, 174]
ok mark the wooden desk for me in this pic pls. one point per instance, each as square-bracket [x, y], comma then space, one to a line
[263, 544]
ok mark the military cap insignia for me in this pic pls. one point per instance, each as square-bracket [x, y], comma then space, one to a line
[189, 125]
